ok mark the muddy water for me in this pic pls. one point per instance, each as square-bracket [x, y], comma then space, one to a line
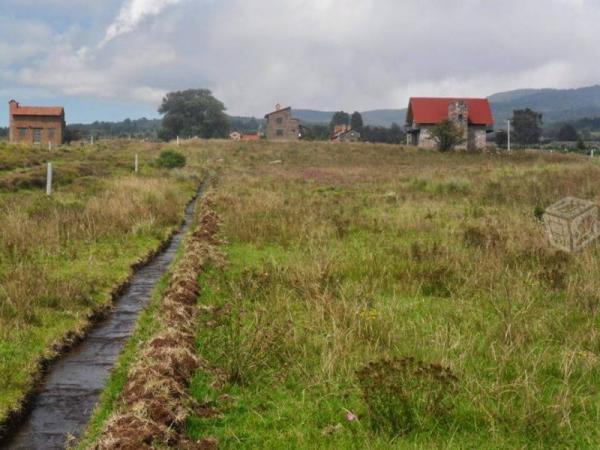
[72, 387]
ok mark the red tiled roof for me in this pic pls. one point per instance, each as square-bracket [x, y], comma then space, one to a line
[433, 110]
[38, 111]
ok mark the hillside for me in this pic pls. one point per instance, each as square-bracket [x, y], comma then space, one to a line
[557, 105]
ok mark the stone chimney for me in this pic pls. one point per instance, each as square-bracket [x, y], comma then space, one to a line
[458, 114]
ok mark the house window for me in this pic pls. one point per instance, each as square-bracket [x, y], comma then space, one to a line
[22, 133]
[460, 117]
[51, 134]
[279, 120]
[37, 135]
[279, 132]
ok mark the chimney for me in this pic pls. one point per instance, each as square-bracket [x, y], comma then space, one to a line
[13, 105]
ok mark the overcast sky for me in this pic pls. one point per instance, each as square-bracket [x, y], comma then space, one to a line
[112, 59]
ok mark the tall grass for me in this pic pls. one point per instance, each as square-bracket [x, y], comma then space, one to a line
[61, 257]
[349, 258]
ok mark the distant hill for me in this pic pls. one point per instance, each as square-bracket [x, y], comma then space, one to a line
[557, 105]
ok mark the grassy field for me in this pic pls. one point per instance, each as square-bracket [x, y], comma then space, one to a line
[62, 257]
[377, 297]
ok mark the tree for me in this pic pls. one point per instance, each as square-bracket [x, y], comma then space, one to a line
[567, 133]
[3, 132]
[446, 135]
[527, 126]
[71, 134]
[339, 118]
[356, 122]
[195, 112]
[502, 139]
[395, 134]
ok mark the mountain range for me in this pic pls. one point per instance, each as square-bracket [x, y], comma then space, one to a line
[557, 105]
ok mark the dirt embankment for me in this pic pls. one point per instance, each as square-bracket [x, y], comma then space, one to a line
[155, 402]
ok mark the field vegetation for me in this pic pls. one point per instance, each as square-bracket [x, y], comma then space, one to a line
[381, 296]
[61, 257]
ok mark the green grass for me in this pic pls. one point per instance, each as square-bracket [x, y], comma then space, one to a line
[344, 256]
[62, 257]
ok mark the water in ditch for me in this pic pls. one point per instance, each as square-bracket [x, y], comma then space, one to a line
[72, 387]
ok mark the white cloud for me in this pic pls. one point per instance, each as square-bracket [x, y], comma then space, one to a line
[356, 54]
[132, 13]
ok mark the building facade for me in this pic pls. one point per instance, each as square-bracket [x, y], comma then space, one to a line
[282, 126]
[343, 133]
[471, 116]
[36, 125]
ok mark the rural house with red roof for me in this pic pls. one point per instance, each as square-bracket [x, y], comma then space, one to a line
[36, 125]
[473, 116]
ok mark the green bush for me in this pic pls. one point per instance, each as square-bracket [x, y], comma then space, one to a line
[170, 159]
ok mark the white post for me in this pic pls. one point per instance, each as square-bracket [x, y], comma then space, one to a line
[50, 145]
[49, 180]
[508, 135]
[137, 166]
[92, 139]
[177, 141]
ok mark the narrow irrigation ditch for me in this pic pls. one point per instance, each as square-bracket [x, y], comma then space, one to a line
[66, 398]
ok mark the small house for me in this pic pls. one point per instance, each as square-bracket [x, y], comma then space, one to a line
[343, 133]
[36, 124]
[472, 116]
[282, 126]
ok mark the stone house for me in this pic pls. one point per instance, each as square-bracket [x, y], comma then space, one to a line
[36, 125]
[343, 133]
[282, 126]
[473, 116]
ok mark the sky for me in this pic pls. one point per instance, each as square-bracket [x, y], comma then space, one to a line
[113, 59]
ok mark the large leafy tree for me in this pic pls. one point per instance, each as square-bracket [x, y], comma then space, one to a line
[356, 122]
[446, 135]
[527, 126]
[194, 112]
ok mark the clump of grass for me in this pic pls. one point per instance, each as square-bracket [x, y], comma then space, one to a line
[170, 159]
[403, 394]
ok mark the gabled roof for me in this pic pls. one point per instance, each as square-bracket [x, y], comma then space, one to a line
[278, 111]
[18, 110]
[429, 111]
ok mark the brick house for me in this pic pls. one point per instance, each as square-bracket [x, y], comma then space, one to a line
[473, 116]
[36, 125]
[282, 126]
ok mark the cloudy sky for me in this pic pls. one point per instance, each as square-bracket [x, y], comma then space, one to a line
[112, 59]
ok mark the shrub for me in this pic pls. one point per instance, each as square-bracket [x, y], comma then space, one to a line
[170, 159]
[403, 394]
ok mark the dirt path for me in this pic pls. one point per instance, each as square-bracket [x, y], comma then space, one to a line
[73, 385]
